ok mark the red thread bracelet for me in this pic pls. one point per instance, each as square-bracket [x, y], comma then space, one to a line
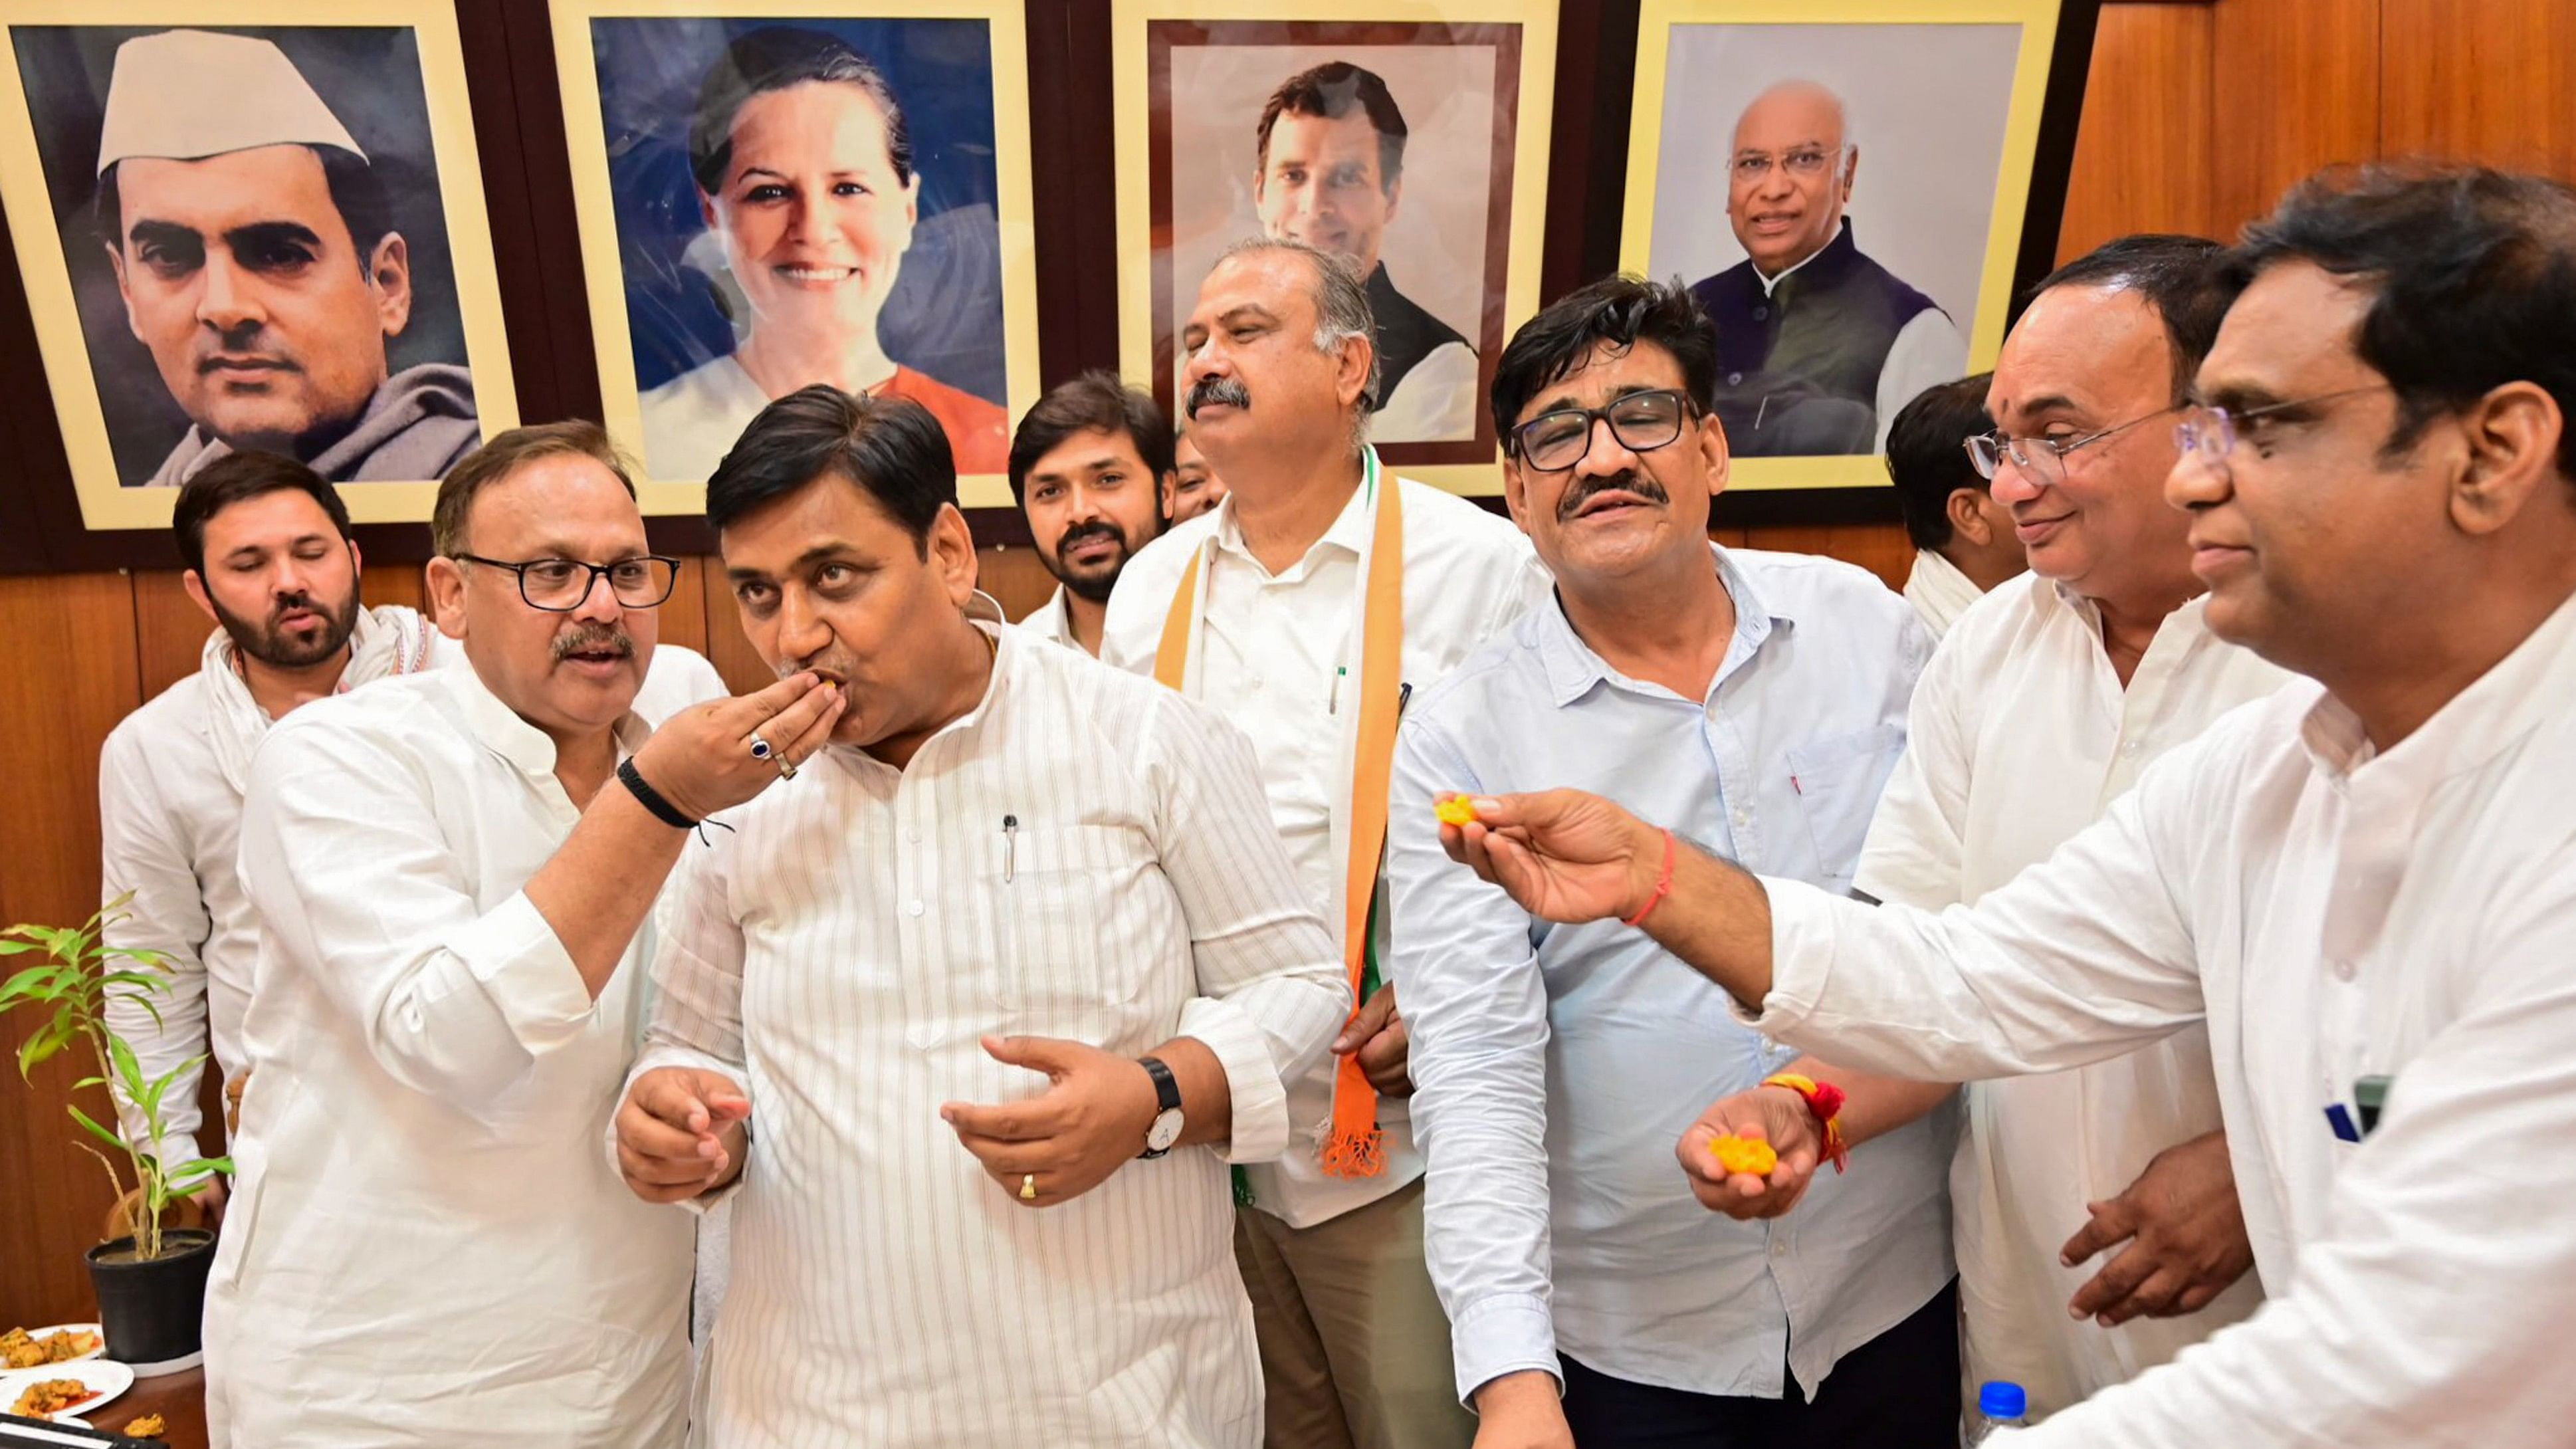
[1825, 1104]
[1663, 885]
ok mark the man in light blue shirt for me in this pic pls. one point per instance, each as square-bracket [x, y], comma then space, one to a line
[1758, 702]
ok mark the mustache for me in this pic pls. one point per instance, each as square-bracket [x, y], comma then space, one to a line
[592, 639]
[1626, 481]
[288, 603]
[1225, 391]
[1082, 533]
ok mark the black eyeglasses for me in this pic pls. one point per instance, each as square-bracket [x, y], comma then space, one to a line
[559, 585]
[1642, 422]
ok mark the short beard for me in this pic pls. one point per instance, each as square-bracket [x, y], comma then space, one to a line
[1095, 588]
[271, 647]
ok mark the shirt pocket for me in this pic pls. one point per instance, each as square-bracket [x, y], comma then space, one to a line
[1067, 960]
[1837, 782]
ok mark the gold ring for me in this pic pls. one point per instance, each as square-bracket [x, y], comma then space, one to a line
[1029, 1188]
[786, 767]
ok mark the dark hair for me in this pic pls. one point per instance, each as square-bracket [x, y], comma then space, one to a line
[773, 58]
[2475, 274]
[1619, 310]
[356, 192]
[2179, 277]
[889, 446]
[1927, 457]
[1333, 90]
[505, 455]
[1096, 402]
[238, 478]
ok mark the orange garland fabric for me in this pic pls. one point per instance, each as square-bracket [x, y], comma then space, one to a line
[1356, 1147]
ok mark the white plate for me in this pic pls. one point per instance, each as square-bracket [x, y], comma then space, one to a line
[44, 1333]
[105, 1377]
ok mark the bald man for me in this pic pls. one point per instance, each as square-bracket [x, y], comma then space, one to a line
[1818, 347]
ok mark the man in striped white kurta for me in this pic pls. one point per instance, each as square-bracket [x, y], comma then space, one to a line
[1014, 875]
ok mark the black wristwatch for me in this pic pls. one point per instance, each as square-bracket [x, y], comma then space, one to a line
[1166, 1128]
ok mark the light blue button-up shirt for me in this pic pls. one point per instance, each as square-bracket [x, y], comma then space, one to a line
[1557, 1066]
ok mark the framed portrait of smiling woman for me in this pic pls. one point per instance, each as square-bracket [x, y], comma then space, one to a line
[1852, 188]
[781, 193]
[260, 228]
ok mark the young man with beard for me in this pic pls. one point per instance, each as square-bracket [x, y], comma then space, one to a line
[1091, 466]
[451, 875]
[1757, 700]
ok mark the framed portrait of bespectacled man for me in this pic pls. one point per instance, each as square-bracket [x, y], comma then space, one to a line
[1411, 140]
[252, 224]
[1845, 185]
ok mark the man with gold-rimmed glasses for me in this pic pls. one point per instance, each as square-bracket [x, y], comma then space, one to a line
[1757, 700]
[453, 872]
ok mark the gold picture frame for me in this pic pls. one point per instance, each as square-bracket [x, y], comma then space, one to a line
[1010, 282]
[1736, 49]
[1507, 49]
[84, 356]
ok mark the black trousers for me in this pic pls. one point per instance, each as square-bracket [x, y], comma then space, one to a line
[1900, 1390]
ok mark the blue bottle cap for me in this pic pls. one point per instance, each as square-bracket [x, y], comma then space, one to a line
[2002, 1400]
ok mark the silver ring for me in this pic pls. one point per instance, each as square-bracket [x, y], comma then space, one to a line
[786, 768]
[760, 748]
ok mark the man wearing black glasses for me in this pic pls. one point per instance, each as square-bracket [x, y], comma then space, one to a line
[1757, 701]
[452, 873]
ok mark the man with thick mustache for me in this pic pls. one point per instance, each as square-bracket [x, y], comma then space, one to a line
[256, 254]
[453, 875]
[1305, 608]
[1092, 467]
[1757, 700]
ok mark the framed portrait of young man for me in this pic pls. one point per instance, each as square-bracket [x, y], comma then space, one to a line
[777, 194]
[260, 229]
[1846, 185]
[1415, 147]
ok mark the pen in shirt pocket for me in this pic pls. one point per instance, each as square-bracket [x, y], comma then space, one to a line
[1010, 847]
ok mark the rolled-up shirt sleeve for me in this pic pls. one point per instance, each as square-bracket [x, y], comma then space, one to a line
[1271, 989]
[1475, 1002]
[358, 887]
[2078, 959]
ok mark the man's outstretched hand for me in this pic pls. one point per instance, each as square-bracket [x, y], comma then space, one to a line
[1563, 855]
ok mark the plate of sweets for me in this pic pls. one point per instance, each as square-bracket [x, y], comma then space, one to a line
[60, 1391]
[27, 1348]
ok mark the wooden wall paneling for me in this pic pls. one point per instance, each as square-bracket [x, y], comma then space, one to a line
[68, 673]
[727, 649]
[1016, 578]
[169, 630]
[2485, 80]
[1880, 548]
[684, 617]
[2297, 83]
[2143, 153]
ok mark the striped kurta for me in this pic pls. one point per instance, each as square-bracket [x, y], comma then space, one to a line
[842, 954]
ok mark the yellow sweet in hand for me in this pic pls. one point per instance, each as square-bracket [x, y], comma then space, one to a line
[1750, 1155]
[1454, 809]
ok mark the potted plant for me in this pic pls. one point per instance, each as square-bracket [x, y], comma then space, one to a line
[151, 1283]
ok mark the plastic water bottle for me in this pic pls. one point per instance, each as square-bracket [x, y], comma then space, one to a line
[2002, 1405]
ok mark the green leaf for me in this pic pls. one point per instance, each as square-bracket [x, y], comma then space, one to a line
[44, 1044]
[101, 1133]
[129, 1069]
[188, 1174]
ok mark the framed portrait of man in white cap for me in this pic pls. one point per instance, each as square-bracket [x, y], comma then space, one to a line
[241, 234]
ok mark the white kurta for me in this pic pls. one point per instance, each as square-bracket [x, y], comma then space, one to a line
[1052, 621]
[1274, 652]
[842, 955]
[425, 1245]
[170, 782]
[2331, 914]
[1938, 591]
[2020, 735]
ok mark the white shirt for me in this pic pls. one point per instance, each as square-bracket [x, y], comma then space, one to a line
[1939, 592]
[1558, 1064]
[2021, 736]
[1052, 621]
[425, 1244]
[170, 782]
[1436, 401]
[1274, 650]
[2331, 914]
[842, 956]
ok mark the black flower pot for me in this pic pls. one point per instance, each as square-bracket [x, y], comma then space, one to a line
[152, 1312]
